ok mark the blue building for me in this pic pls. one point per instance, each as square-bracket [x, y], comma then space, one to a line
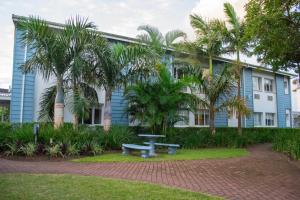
[268, 94]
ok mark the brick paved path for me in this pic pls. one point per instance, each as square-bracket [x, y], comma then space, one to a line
[262, 175]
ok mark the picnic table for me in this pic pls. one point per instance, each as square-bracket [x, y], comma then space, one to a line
[151, 139]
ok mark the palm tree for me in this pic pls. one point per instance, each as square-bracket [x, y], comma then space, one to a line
[156, 102]
[156, 40]
[117, 66]
[210, 38]
[236, 44]
[57, 53]
[218, 94]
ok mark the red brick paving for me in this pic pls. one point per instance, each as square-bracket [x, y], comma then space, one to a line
[262, 175]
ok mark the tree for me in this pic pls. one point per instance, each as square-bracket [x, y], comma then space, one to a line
[157, 41]
[55, 53]
[118, 66]
[237, 44]
[210, 38]
[273, 29]
[156, 102]
[218, 94]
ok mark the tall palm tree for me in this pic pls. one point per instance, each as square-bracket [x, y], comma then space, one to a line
[57, 53]
[236, 44]
[218, 94]
[156, 102]
[210, 38]
[156, 40]
[117, 66]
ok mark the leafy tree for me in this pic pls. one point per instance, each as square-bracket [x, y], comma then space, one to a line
[273, 28]
[123, 65]
[237, 44]
[210, 38]
[157, 102]
[218, 94]
[56, 53]
[156, 40]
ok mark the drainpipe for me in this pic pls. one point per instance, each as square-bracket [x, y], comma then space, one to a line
[23, 85]
[244, 91]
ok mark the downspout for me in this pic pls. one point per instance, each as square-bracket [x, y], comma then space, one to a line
[23, 85]
[244, 91]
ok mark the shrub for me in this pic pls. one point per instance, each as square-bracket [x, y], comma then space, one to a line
[72, 150]
[95, 148]
[28, 149]
[54, 151]
[12, 149]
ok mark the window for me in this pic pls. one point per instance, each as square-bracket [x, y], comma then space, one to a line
[270, 98]
[201, 118]
[288, 117]
[185, 115]
[270, 119]
[178, 73]
[257, 118]
[256, 83]
[94, 116]
[286, 85]
[256, 96]
[268, 85]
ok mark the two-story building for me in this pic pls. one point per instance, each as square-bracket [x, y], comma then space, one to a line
[267, 93]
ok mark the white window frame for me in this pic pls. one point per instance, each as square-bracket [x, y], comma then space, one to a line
[268, 85]
[288, 118]
[267, 118]
[258, 81]
[100, 107]
[286, 85]
[205, 114]
[260, 114]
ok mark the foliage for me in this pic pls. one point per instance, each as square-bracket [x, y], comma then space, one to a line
[72, 187]
[273, 28]
[4, 114]
[288, 142]
[12, 149]
[72, 150]
[156, 102]
[54, 150]
[28, 149]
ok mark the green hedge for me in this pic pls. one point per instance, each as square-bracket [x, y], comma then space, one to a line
[284, 140]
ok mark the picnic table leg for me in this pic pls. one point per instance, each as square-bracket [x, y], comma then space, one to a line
[152, 150]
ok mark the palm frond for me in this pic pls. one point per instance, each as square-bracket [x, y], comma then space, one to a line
[47, 100]
[171, 36]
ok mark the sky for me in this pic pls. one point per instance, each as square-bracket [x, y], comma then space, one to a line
[114, 16]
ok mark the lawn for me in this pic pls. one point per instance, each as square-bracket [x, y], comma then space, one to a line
[183, 154]
[39, 187]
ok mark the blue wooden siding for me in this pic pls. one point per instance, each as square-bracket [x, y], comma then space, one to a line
[118, 106]
[247, 93]
[17, 85]
[283, 100]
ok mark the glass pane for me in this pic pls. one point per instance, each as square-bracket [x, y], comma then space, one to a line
[97, 119]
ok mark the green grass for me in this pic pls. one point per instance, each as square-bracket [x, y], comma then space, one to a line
[50, 187]
[183, 154]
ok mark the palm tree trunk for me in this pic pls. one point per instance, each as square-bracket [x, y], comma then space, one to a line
[212, 120]
[59, 104]
[75, 115]
[210, 67]
[239, 93]
[107, 110]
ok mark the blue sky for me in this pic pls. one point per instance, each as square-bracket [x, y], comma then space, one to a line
[114, 16]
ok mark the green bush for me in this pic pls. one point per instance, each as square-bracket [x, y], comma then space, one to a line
[28, 149]
[288, 141]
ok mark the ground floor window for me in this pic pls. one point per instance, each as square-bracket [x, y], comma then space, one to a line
[288, 117]
[201, 118]
[270, 119]
[94, 116]
[257, 118]
[185, 115]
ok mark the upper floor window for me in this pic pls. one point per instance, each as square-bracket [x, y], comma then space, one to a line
[257, 118]
[257, 83]
[268, 86]
[201, 118]
[286, 86]
[270, 119]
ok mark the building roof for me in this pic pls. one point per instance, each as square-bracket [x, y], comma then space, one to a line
[121, 38]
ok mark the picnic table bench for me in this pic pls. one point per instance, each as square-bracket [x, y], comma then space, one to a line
[144, 149]
[171, 147]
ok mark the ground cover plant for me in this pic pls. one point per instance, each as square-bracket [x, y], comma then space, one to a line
[31, 187]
